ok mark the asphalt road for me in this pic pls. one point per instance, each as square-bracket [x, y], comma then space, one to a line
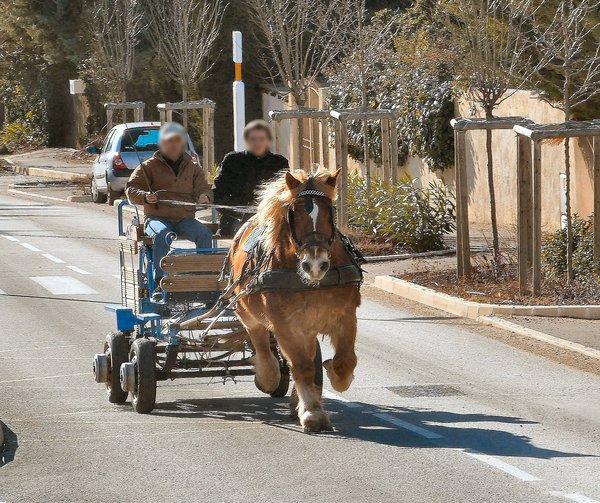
[437, 412]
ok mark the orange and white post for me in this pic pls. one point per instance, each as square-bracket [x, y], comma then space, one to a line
[239, 100]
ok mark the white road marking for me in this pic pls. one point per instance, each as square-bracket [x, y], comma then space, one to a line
[423, 432]
[2, 292]
[578, 498]
[45, 377]
[76, 269]
[53, 258]
[30, 247]
[10, 238]
[501, 465]
[346, 403]
[64, 285]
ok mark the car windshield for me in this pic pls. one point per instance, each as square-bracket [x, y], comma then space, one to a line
[139, 140]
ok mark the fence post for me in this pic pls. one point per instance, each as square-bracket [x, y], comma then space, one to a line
[596, 245]
[537, 217]
[524, 223]
[463, 242]
[394, 150]
[385, 150]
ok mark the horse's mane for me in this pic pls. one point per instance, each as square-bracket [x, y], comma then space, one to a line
[274, 197]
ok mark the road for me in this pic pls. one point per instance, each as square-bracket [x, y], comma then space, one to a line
[437, 412]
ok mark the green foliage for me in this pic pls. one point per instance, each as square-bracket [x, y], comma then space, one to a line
[403, 214]
[410, 77]
[25, 125]
[554, 252]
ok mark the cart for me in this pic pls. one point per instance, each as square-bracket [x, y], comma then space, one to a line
[192, 332]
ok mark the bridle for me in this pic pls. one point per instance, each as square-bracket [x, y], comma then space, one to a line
[313, 238]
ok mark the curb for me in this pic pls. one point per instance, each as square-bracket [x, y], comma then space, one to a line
[35, 196]
[473, 310]
[50, 173]
[483, 313]
[548, 339]
[407, 256]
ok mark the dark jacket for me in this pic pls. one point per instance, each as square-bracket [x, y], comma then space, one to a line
[155, 174]
[241, 173]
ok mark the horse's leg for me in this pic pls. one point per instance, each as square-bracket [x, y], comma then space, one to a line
[266, 364]
[340, 370]
[310, 409]
[318, 387]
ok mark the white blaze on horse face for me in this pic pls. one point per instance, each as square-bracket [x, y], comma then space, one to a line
[314, 215]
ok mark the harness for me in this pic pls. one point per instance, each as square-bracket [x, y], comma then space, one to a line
[263, 278]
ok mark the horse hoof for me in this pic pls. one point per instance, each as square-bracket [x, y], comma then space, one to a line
[315, 421]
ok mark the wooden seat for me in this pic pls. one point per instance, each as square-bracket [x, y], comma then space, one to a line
[196, 262]
[192, 283]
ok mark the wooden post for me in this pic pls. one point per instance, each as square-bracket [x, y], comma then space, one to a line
[211, 137]
[394, 150]
[205, 154]
[276, 138]
[385, 150]
[344, 166]
[524, 220]
[324, 143]
[162, 116]
[537, 217]
[169, 115]
[463, 242]
[109, 119]
[596, 245]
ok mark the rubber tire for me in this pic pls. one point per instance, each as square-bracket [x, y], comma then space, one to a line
[112, 195]
[116, 344]
[284, 381]
[144, 398]
[99, 198]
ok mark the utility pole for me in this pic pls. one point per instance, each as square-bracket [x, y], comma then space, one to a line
[239, 101]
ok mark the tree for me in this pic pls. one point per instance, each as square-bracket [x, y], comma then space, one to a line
[495, 61]
[184, 33]
[570, 68]
[117, 25]
[300, 39]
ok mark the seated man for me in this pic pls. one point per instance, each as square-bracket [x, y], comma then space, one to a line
[241, 173]
[175, 175]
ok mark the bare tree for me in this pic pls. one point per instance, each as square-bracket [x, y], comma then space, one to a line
[368, 42]
[571, 69]
[495, 62]
[184, 33]
[117, 25]
[301, 38]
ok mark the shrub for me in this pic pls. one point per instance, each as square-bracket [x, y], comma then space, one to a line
[403, 214]
[554, 252]
[25, 125]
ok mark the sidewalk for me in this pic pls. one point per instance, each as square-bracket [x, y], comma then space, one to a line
[56, 163]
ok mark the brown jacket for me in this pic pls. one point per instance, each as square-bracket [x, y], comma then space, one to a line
[156, 175]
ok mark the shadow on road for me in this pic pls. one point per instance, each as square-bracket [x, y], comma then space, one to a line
[9, 447]
[360, 424]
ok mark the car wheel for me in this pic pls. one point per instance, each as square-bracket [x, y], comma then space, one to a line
[97, 196]
[112, 195]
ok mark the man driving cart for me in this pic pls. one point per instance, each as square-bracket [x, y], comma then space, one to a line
[170, 174]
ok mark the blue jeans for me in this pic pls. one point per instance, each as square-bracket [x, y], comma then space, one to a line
[163, 232]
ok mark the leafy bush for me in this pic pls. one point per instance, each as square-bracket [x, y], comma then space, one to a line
[25, 125]
[554, 252]
[403, 214]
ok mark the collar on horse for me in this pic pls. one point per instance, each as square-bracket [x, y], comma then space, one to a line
[313, 238]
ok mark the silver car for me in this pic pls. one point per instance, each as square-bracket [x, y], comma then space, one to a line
[124, 148]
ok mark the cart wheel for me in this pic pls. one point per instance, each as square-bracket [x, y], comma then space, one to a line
[116, 348]
[284, 381]
[144, 396]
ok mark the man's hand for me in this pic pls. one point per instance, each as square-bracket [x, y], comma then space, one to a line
[203, 199]
[151, 198]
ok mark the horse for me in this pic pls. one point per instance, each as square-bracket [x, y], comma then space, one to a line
[295, 225]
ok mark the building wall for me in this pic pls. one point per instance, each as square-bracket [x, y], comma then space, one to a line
[523, 103]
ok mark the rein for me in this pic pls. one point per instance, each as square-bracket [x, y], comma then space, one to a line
[313, 238]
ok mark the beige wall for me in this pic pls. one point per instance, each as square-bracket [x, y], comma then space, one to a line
[523, 103]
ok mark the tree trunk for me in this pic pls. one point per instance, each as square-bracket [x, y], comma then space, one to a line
[492, 190]
[184, 94]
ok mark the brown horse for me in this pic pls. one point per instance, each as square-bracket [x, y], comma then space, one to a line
[295, 213]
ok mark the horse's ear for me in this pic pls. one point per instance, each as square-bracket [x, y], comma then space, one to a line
[332, 179]
[291, 181]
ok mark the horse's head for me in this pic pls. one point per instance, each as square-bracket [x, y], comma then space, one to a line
[311, 220]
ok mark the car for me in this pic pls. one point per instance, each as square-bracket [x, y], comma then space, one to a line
[124, 148]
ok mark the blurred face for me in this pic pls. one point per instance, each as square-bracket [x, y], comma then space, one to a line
[258, 142]
[172, 147]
